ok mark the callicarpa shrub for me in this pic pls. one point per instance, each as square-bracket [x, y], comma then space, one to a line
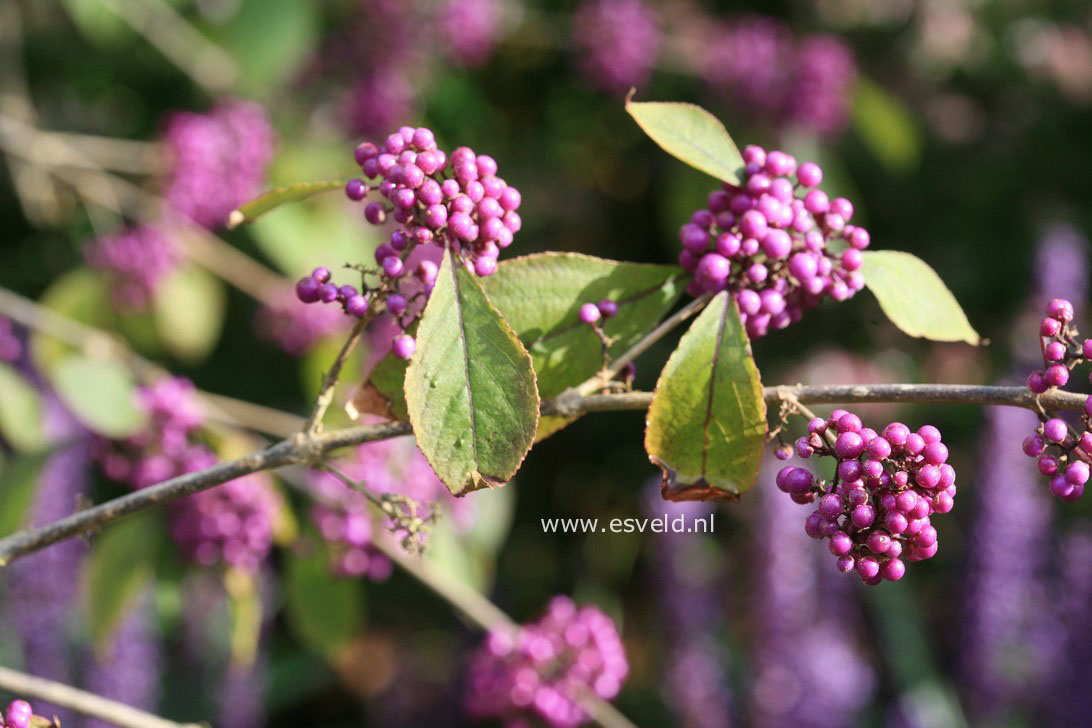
[480, 358]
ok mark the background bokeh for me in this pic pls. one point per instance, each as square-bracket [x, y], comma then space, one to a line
[962, 131]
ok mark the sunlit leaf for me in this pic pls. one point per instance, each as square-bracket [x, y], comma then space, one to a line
[470, 387]
[21, 422]
[915, 298]
[189, 310]
[691, 134]
[100, 394]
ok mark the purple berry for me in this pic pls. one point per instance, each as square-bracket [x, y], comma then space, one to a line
[589, 313]
[403, 346]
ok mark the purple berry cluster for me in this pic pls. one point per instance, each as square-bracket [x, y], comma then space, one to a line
[217, 160]
[759, 62]
[11, 346]
[232, 522]
[343, 516]
[437, 202]
[17, 715]
[876, 513]
[543, 669]
[470, 29]
[166, 447]
[616, 42]
[136, 259]
[768, 241]
[1063, 454]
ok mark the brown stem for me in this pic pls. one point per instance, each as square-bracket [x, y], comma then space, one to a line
[82, 702]
[300, 449]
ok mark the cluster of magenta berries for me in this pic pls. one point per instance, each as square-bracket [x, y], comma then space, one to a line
[18, 715]
[455, 203]
[876, 512]
[1063, 454]
[231, 523]
[546, 667]
[768, 241]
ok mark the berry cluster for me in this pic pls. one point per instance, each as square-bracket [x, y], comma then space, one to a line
[616, 42]
[344, 519]
[768, 241]
[137, 260]
[876, 512]
[17, 715]
[11, 347]
[1063, 455]
[232, 522]
[546, 666]
[770, 73]
[218, 160]
[470, 29]
[457, 203]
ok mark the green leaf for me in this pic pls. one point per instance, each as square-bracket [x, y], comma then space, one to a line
[121, 564]
[914, 297]
[189, 313]
[100, 394]
[540, 297]
[325, 612]
[692, 134]
[21, 421]
[20, 476]
[326, 231]
[470, 387]
[886, 127]
[707, 422]
[273, 199]
[82, 295]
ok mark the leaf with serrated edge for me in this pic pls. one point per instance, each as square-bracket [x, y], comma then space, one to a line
[706, 426]
[914, 297]
[251, 211]
[691, 134]
[470, 387]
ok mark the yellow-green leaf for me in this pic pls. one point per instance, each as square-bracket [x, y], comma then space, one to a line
[100, 394]
[189, 312]
[914, 297]
[251, 211]
[692, 134]
[21, 422]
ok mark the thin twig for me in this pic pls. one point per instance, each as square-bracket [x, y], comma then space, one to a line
[84, 703]
[329, 380]
[182, 44]
[302, 450]
[103, 189]
[602, 378]
[475, 606]
[98, 343]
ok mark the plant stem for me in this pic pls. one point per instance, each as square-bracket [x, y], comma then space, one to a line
[83, 702]
[300, 449]
[475, 606]
[97, 343]
[329, 380]
[666, 326]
